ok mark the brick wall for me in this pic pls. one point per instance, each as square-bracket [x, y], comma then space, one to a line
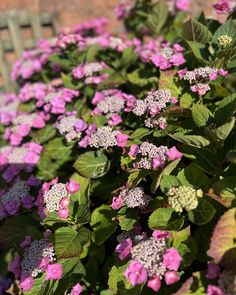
[74, 11]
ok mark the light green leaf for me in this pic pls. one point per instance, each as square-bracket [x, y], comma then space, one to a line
[165, 219]
[200, 114]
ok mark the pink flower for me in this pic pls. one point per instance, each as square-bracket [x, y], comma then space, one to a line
[54, 271]
[15, 139]
[80, 125]
[64, 203]
[31, 158]
[63, 213]
[182, 5]
[121, 139]
[171, 277]
[214, 290]
[84, 142]
[133, 150]
[157, 163]
[174, 100]
[201, 89]
[177, 59]
[27, 284]
[38, 122]
[98, 97]
[26, 242]
[154, 283]
[34, 147]
[44, 262]
[222, 72]
[78, 72]
[174, 154]
[213, 270]
[222, 7]
[172, 259]
[213, 76]
[77, 289]
[114, 120]
[135, 273]
[72, 186]
[15, 266]
[117, 203]
[24, 130]
[161, 62]
[160, 234]
[124, 248]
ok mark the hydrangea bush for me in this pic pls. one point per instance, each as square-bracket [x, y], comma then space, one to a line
[118, 158]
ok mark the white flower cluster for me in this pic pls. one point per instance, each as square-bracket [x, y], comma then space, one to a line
[53, 196]
[184, 198]
[135, 197]
[103, 137]
[66, 126]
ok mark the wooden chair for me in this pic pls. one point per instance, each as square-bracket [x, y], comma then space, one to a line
[13, 23]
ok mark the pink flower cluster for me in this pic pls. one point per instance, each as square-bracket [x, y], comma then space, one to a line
[225, 6]
[87, 71]
[152, 105]
[151, 259]
[55, 197]
[161, 53]
[112, 103]
[16, 196]
[14, 159]
[38, 257]
[149, 156]
[200, 78]
[9, 103]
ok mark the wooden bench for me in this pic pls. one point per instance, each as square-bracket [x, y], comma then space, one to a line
[13, 24]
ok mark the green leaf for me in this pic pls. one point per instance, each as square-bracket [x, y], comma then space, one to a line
[186, 246]
[225, 109]
[84, 190]
[200, 115]
[158, 16]
[140, 132]
[167, 81]
[203, 213]
[166, 171]
[192, 140]
[92, 164]
[56, 148]
[127, 218]
[102, 223]
[186, 100]
[43, 135]
[40, 287]
[195, 31]
[67, 243]
[140, 78]
[226, 187]
[228, 28]
[192, 176]
[223, 241]
[169, 181]
[199, 50]
[165, 219]
[223, 131]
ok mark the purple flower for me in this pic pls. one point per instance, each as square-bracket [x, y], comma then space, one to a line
[12, 207]
[154, 283]
[173, 154]
[214, 290]
[124, 248]
[172, 259]
[171, 277]
[135, 273]
[80, 125]
[213, 270]
[15, 266]
[160, 234]
[54, 271]
[134, 149]
[26, 242]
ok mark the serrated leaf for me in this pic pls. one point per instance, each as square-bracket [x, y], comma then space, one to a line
[195, 31]
[92, 164]
[192, 140]
[226, 187]
[200, 115]
[223, 241]
[165, 219]
[225, 109]
[169, 181]
[67, 243]
[223, 131]
[203, 213]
